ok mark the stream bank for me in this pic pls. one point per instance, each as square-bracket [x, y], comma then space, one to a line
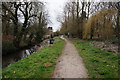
[20, 54]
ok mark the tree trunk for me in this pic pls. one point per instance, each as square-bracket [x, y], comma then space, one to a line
[118, 27]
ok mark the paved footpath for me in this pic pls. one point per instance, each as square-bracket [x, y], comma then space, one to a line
[70, 64]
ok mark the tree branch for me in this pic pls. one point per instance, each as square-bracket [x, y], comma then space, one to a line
[34, 15]
[22, 11]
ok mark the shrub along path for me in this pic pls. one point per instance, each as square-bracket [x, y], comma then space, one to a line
[69, 64]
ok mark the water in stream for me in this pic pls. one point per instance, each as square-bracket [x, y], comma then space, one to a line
[14, 57]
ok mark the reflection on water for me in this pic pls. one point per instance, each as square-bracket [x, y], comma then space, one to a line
[14, 57]
[8, 59]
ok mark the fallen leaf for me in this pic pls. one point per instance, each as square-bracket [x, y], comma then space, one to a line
[47, 64]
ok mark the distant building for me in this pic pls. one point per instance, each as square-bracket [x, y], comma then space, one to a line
[50, 29]
[49, 32]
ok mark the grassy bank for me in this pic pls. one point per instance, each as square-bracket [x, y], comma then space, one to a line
[39, 65]
[100, 63]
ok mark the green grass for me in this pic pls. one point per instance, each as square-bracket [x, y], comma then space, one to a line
[33, 66]
[100, 63]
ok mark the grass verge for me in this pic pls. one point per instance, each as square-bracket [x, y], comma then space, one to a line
[100, 63]
[39, 65]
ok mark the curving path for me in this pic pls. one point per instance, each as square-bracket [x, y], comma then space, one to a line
[70, 64]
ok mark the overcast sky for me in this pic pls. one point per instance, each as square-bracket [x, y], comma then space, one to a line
[55, 7]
